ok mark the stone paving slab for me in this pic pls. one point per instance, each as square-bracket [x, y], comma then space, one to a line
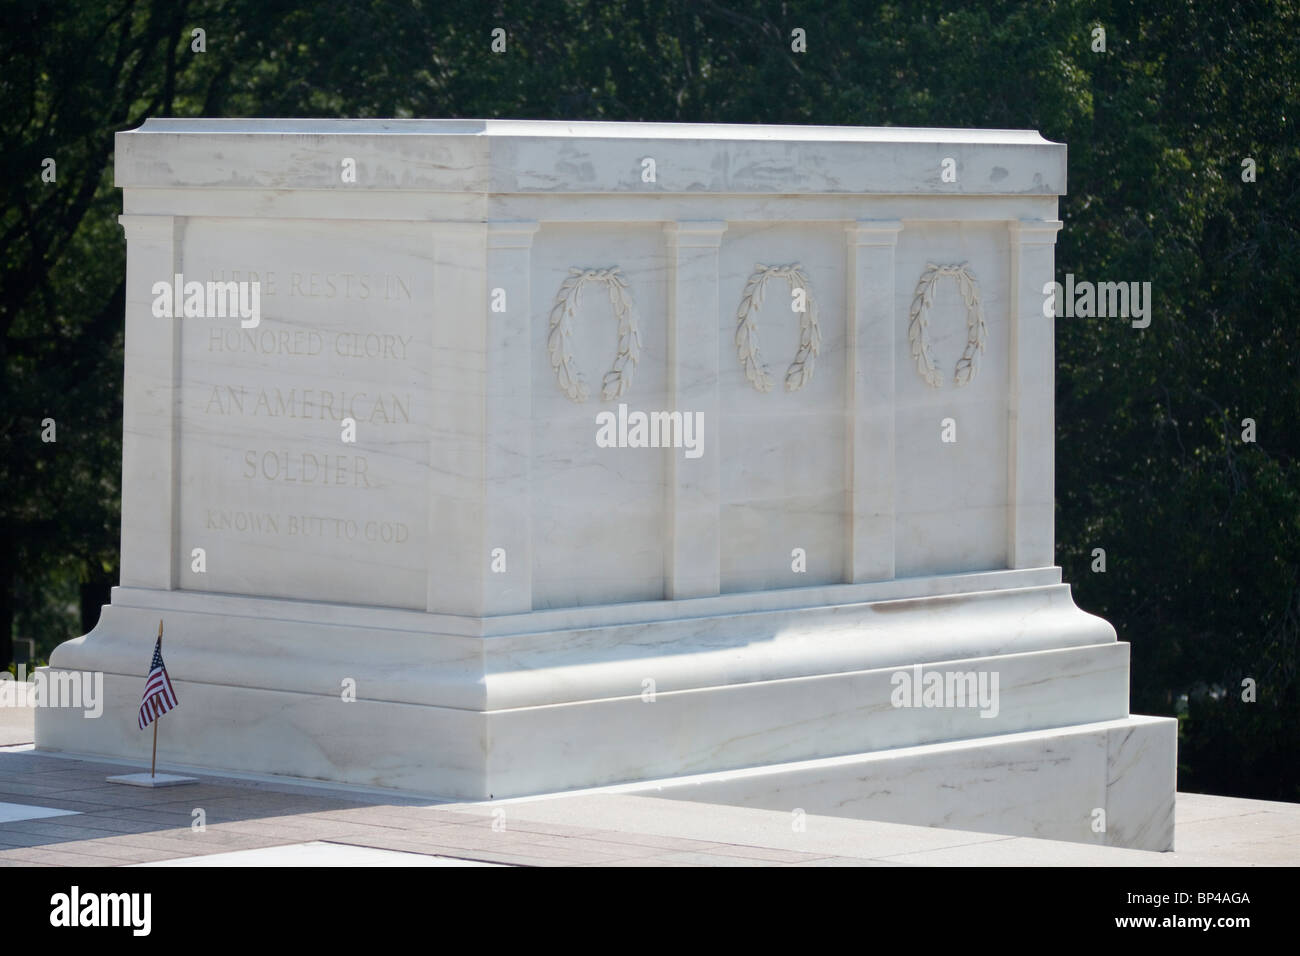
[317, 853]
[121, 825]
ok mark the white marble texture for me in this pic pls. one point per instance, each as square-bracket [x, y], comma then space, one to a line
[870, 452]
[761, 723]
[532, 582]
[435, 750]
[1047, 784]
[578, 525]
[1141, 763]
[530, 156]
[951, 499]
[575, 654]
[514, 751]
[598, 514]
[782, 453]
[261, 411]
[693, 565]
[463, 716]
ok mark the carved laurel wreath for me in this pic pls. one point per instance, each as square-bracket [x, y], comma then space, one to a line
[800, 371]
[918, 321]
[619, 377]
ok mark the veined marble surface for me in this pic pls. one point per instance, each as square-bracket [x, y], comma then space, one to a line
[1109, 783]
[475, 485]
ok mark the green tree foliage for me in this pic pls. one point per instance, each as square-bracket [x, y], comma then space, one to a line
[1200, 528]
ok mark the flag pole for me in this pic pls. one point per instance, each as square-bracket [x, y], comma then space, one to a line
[153, 763]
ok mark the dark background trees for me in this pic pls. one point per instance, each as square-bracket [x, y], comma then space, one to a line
[1201, 530]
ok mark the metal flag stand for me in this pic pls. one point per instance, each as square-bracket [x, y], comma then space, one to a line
[152, 779]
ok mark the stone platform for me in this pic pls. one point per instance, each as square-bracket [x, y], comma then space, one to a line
[792, 705]
[277, 822]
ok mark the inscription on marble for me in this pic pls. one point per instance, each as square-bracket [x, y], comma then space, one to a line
[284, 501]
[326, 285]
[310, 403]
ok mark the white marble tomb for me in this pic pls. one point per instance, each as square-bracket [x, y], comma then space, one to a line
[520, 608]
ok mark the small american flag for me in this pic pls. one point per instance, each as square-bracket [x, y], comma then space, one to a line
[158, 694]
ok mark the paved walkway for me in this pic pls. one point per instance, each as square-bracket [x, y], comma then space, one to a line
[57, 810]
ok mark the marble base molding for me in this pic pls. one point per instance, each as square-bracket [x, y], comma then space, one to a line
[560, 701]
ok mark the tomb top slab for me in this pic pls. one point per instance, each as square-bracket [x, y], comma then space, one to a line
[544, 156]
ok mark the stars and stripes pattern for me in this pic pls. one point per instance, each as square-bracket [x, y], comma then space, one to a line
[158, 694]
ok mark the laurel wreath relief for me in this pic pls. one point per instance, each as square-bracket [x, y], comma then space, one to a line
[919, 320]
[618, 379]
[800, 371]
